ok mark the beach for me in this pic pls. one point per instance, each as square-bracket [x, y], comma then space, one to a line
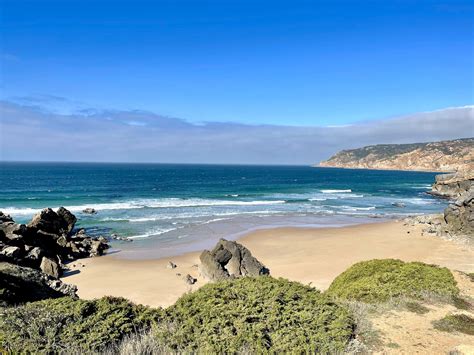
[312, 256]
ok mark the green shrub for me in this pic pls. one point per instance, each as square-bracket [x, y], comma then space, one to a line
[256, 315]
[455, 323]
[55, 325]
[380, 280]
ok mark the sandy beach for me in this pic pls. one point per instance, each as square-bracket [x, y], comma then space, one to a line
[309, 255]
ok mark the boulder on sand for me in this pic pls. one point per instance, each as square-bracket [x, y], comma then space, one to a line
[50, 267]
[230, 259]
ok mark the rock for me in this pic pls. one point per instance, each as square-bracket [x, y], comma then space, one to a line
[89, 211]
[459, 216]
[20, 284]
[398, 204]
[230, 259]
[190, 280]
[97, 247]
[454, 185]
[11, 252]
[35, 254]
[45, 241]
[50, 267]
[68, 218]
[171, 265]
[50, 222]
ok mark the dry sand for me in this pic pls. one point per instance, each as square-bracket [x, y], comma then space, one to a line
[311, 256]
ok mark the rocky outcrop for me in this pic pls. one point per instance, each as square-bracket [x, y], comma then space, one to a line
[20, 284]
[453, 185]
[449, 156]
[455, 223]
[459, 216]
[46, 241]
[230, 259]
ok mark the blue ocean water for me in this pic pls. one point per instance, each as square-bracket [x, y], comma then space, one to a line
[169, 209]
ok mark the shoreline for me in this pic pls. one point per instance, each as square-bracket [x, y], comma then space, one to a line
[312, 256]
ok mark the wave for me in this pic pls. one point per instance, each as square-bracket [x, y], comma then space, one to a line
[330, 191]
[352, 208]
[419, 201]
[154, 232]
[149, 203]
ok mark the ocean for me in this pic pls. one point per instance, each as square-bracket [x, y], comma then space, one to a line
[168, 209]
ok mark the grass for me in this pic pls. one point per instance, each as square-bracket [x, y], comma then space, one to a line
[257, 315]
[377, 281]
[455, 323]
[54, 325]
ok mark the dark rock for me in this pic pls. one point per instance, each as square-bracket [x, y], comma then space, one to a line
[398, 204]
[68, 218]
[35, 254]
[190, 280]
[20, 284]
[89, 211]
[5, 218]
[97, 248]
[230, 259]
[171, 265]
[45, 241]
[50, 267]
[48, 221]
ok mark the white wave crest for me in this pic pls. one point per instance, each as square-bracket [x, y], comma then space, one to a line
[329, 191]
[147, 203]
[154, 232]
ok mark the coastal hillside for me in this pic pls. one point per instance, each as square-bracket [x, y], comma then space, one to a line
[444, 156]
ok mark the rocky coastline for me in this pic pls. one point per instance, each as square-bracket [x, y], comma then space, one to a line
[457, 220]
[443, 156]
[33, 255]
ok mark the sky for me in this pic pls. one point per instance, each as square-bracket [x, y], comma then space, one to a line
[283, 68]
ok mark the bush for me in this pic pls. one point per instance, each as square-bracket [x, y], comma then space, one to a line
[380, 280]
[55, 325]
[455, 323]
[256, 315]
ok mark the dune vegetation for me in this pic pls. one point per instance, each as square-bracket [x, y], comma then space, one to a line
[376, 281]
[249, 314]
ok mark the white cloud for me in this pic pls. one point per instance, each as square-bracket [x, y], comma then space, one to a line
[31, 133]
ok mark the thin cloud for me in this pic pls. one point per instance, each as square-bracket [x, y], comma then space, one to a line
[31, 133]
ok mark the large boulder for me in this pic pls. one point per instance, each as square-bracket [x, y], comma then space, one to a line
[20, 284]
[68, 218]
[61, 222]
[230, 259]
[10, 231]
[50, 267]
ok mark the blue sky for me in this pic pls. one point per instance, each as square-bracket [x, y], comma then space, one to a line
[298, 63]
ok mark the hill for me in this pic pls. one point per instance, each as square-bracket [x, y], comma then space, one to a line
[444, 156]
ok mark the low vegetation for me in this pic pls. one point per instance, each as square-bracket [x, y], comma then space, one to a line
[55, 325]
[378, 281]
[245, 315]
[456, 323]
[257, 315]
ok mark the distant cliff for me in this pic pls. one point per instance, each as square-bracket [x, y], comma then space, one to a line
[444, 156]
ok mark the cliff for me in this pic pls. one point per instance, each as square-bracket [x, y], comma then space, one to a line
[444, 156]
